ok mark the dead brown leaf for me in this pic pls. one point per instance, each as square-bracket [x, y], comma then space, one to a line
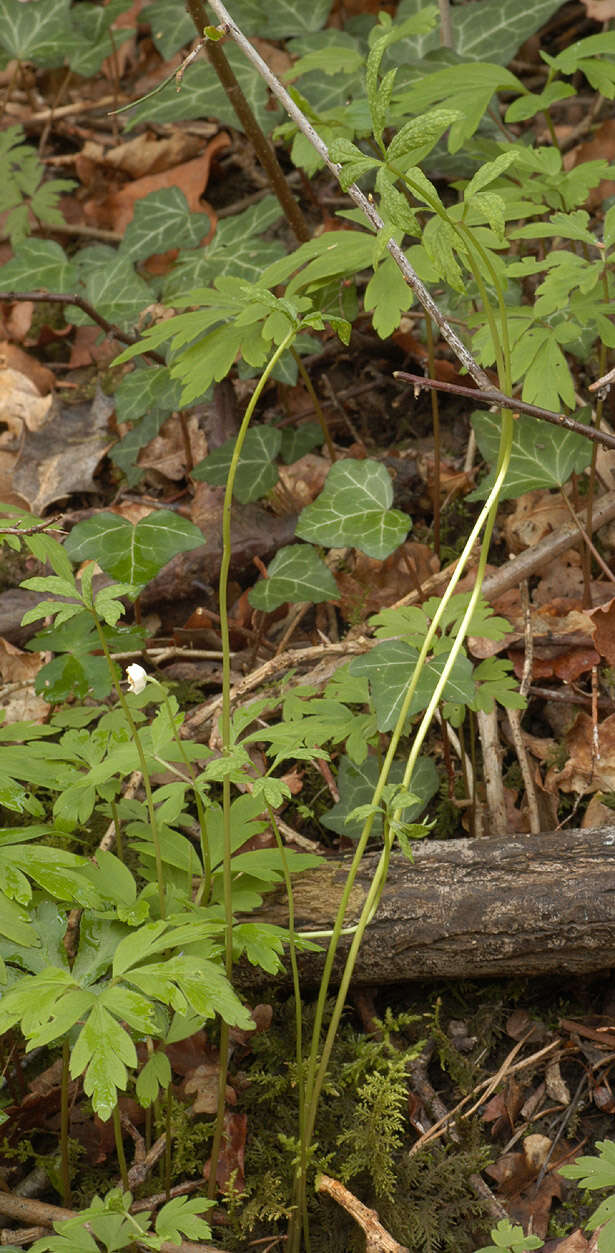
[203, 1083]
[166, 453]
[536, 515]
[16, 667]
[581, 773]
[63, 456]
[14, 358]
[232, 1155]
[149, 154]
[301, 482]
[21, 401]
[117, 209]
[371, 585]
[600, 10]
[603, 619]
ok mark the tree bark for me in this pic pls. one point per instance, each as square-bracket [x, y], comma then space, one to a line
[530, 905]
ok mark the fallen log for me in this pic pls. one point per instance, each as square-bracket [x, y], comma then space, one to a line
[530, 905]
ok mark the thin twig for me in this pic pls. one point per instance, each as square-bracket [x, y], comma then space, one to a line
[60, 298]
[494, 397]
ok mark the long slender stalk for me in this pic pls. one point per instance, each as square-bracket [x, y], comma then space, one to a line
[151, 808]
[487, 519]
[64, 1162]
[225, 727]
[119, 1147]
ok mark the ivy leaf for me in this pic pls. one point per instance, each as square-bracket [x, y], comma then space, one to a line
[113, 287]
[38, 32]
[160, 220]
[356, 784]
[389, 667]
[542, 456]
[39, 263]
[256, 473]
[296, 574]
[202, 95]
[133, 554]
[296, 442]
[353, 510]
[90, 41]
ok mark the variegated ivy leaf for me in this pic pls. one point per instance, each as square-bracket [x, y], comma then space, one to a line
[356, 784]
[296, 574]
[389, 668]
[542, 456]
[354, 510]
[161, 220]
[39, 263]
[256, 471]
[133, 554]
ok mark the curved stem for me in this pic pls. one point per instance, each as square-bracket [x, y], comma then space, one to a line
[225, 726]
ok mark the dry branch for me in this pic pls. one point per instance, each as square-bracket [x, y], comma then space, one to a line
[531, 905]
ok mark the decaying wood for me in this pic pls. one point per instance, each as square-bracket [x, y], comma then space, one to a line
[529, 905]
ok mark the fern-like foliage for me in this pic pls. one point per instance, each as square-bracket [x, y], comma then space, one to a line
[374, 1136]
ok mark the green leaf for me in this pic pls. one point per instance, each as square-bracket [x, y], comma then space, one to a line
[39, 263]
[103, 1050]
[134, 554]
[567, 225]
[256, 473]
[236, 249]
[115, 290]
[529, 105]
[171, 26]
[354, 163]
[155, 1075]
[466, 89]
[389, 668]
[418, 136]
[356, 785]
[90, 41]
[160, 221]
[542, 455]
[296, 574]
[497, 28]
[488, 173]
[202, 95]
[181, 1218]
[353, 509]
[297, 441]
[37, 32]
[388, 294]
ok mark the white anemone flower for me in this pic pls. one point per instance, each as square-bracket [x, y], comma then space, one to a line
[137, 678]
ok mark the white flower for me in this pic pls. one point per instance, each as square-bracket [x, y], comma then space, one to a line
[137, 678]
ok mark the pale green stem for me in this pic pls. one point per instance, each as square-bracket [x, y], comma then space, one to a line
[64, 1123]
[119, 1147]
[487, 517]
[225, 727]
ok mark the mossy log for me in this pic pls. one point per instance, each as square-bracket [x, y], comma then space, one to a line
[523, 905]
